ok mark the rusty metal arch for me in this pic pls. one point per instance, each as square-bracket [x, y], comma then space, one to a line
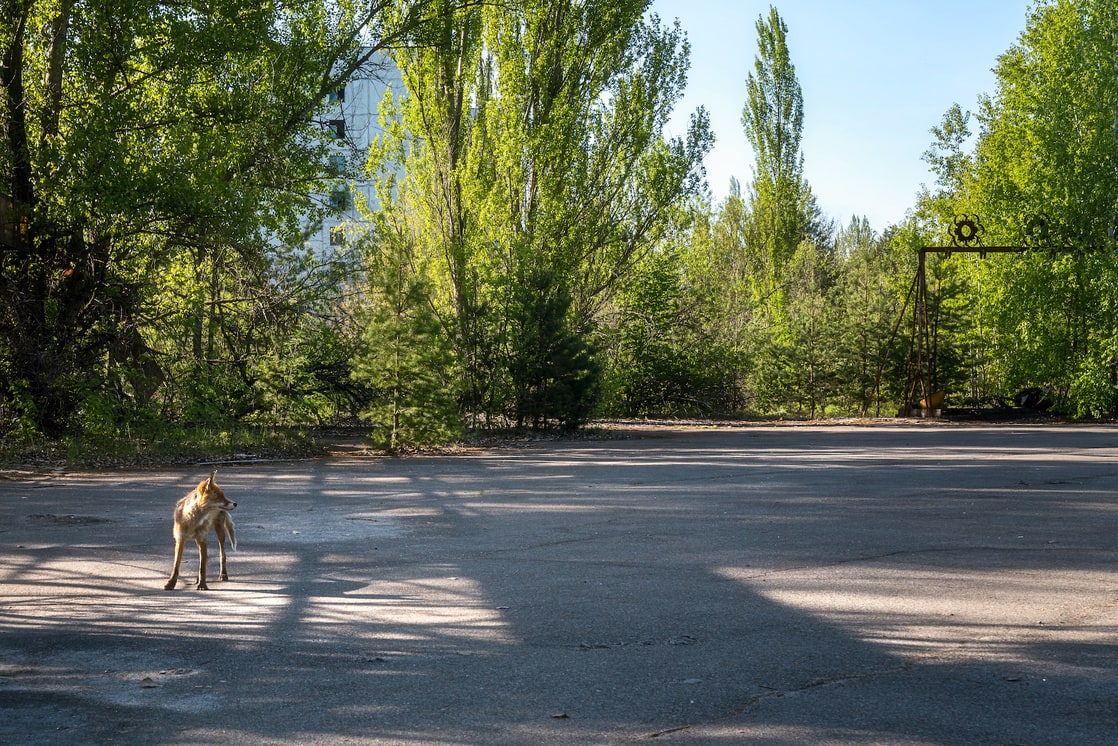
[965, 234]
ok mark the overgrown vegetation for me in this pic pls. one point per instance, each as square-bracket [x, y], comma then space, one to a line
[541, 252]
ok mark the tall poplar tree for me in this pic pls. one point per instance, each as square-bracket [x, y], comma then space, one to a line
[539, 171]
[782, 206]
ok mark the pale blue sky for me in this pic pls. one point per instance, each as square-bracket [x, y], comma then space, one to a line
[876, 75]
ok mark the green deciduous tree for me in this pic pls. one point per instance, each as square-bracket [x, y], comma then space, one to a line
[150, 151]
[668, 353]
[536, 151]
[1049, 144]
[783, 210]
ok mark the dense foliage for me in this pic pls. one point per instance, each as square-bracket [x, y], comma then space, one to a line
[1043, 171]
[156, 158]
[541, 252]
[528, 170]
[808, 320]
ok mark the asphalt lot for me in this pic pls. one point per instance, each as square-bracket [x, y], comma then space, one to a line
[892, 584]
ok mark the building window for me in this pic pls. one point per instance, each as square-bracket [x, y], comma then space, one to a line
[337, 236]
[338, 128]
[338, 164]
[339, 199]
[337, 96]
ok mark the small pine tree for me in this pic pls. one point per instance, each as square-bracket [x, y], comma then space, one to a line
[555, 377]
[406, 357]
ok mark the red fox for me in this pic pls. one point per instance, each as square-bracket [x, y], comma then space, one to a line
[205, 508]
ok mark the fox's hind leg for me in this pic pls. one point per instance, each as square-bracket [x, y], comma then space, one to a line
[170, 586]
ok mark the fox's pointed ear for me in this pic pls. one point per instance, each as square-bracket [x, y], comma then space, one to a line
[207, 484]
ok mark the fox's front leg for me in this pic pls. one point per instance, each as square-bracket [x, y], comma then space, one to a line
[219, 529]
[170, 586]
[201, 584]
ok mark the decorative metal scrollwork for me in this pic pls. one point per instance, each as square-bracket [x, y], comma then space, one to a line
[966, 232]
[1038, 233]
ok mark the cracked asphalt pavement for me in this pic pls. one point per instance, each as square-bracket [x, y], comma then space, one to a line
[886, 584]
